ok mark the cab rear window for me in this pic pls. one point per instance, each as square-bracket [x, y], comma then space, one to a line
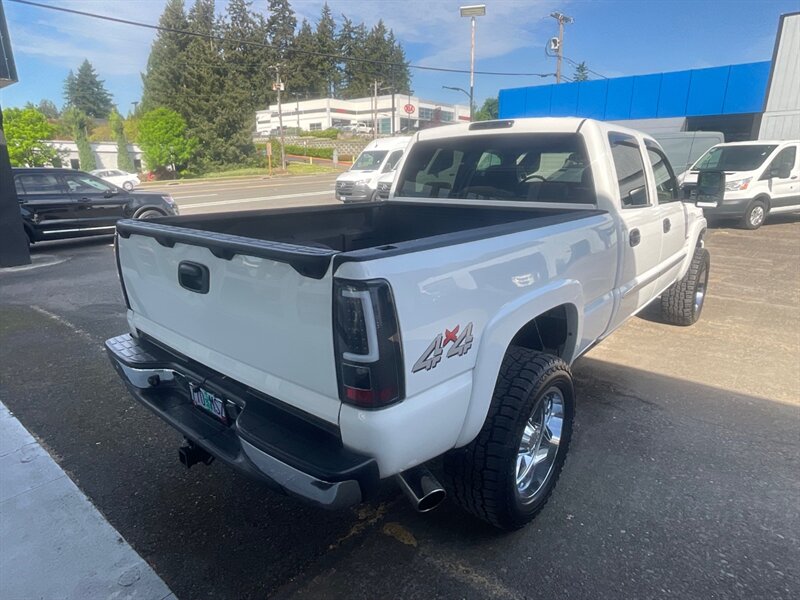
[528, 167]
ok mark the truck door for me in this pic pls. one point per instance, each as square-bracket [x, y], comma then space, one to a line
[641, 230]
[671, 214]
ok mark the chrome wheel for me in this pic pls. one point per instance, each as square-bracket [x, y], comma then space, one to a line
[700, 291]
[756, 215]
[539, 445]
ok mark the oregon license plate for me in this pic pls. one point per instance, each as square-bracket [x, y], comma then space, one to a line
[211, 403]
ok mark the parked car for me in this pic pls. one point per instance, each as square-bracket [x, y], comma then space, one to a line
[127, 181]
[762, 178]
[359, 127]
[360, 182]
[324, 349]
[683, 148]
[65, 203]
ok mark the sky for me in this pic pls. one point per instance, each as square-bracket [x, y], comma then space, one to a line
[614, 37]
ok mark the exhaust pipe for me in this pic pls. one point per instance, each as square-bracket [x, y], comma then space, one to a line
[422, 488]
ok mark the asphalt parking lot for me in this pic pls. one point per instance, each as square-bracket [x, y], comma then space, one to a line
[682, 479]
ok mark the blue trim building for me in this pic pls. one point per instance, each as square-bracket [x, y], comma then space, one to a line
[728, 99]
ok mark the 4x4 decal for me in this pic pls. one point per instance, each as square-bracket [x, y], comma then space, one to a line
[461, 344]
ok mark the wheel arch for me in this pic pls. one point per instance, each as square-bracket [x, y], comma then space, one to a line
[552, 314]
[143, 209]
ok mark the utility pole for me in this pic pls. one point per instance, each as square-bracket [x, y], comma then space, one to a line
[278, 86]
[562, 20]
[375, 110]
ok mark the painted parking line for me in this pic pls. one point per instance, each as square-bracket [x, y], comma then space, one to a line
[194, 196]
[256, 199]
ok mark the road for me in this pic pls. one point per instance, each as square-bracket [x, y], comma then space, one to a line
[681, 480]
[251, 193]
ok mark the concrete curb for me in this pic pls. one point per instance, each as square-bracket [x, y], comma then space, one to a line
[54, 543]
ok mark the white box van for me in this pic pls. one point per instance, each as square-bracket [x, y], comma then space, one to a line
[761, 178]
[360, 183]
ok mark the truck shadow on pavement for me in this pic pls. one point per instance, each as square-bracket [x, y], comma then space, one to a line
[670, 484]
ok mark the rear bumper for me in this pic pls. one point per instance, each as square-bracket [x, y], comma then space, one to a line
[264, 440]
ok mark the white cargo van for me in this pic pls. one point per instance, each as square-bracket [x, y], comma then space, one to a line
[360, 183]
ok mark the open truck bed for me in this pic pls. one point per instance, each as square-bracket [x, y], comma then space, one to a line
[310, 238]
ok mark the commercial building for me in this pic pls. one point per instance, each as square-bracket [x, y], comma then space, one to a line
[758, 100]
[105, 154]
[409, 112]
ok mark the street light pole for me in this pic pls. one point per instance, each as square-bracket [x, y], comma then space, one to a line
[472, 11]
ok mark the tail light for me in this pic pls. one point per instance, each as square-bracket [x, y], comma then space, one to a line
[367, 344]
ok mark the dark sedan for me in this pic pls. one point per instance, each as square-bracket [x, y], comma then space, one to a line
[65, 203]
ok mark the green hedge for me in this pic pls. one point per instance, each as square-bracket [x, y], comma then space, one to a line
[329, 134]
[303, 151]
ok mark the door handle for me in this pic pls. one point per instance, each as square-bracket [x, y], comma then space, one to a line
[85, 199]
[635, 237]
[667, 225]
[193, 277]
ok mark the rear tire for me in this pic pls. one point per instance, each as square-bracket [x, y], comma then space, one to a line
[507, 473]
[682, 302]
[150, 214]
[755, 215]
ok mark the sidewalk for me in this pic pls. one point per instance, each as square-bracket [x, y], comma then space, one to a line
[54, 544]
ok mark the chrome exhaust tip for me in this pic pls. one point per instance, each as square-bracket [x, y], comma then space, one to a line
[422, 488]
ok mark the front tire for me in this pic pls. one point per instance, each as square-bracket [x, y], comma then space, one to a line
[127, 186]
[150, 214]
[682, 302]
[755, 215]
[507, 473]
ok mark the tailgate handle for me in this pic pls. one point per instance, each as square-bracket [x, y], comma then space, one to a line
[193, 277]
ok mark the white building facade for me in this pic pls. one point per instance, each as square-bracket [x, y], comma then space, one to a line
[105, 154]
[410, 113]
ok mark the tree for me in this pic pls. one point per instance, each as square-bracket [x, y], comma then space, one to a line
[124, 160]
[352, 40]
[581, 72]
[86, 92]
[26, 130]
[280, 26]
[48, 109]
[325, 43]
[164, 139]
[488, 111]
[163, 81]
[78, 122]
[304, 75]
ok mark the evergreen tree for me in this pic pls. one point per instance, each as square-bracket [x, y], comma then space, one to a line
[488, 111]
[204, 84]
[398, 74]
[78, 122]
[246, 80]
[281, 25]
[86, 92]
[356, 75]
[163, 82]
[124, 160]
[304, 76]
[325, 38]
[48, 109]
[581, 72]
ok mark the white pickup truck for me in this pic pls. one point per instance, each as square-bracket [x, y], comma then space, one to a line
[324, 349]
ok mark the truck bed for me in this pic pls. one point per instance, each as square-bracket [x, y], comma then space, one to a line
[309, 238]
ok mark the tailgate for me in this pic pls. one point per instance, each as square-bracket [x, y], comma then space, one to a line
[258, 312]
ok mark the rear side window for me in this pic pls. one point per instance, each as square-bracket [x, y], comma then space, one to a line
[32, 184]
[666, 185]
[630, 170]
[782, 163]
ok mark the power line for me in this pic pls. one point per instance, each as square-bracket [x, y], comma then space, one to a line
[575, 64]
[209, 36]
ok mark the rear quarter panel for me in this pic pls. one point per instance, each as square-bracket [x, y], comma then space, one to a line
[497, 285]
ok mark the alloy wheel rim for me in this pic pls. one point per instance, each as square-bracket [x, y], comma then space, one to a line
[700, 291]
[539, 445]
[757, 215]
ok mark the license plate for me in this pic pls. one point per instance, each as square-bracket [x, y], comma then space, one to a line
[702, 204]
[209, 402]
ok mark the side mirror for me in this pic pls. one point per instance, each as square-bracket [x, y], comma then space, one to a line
[710, 189]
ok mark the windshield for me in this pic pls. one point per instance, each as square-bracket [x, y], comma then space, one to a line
[735, 158]
[533, 167]
[369, 160]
